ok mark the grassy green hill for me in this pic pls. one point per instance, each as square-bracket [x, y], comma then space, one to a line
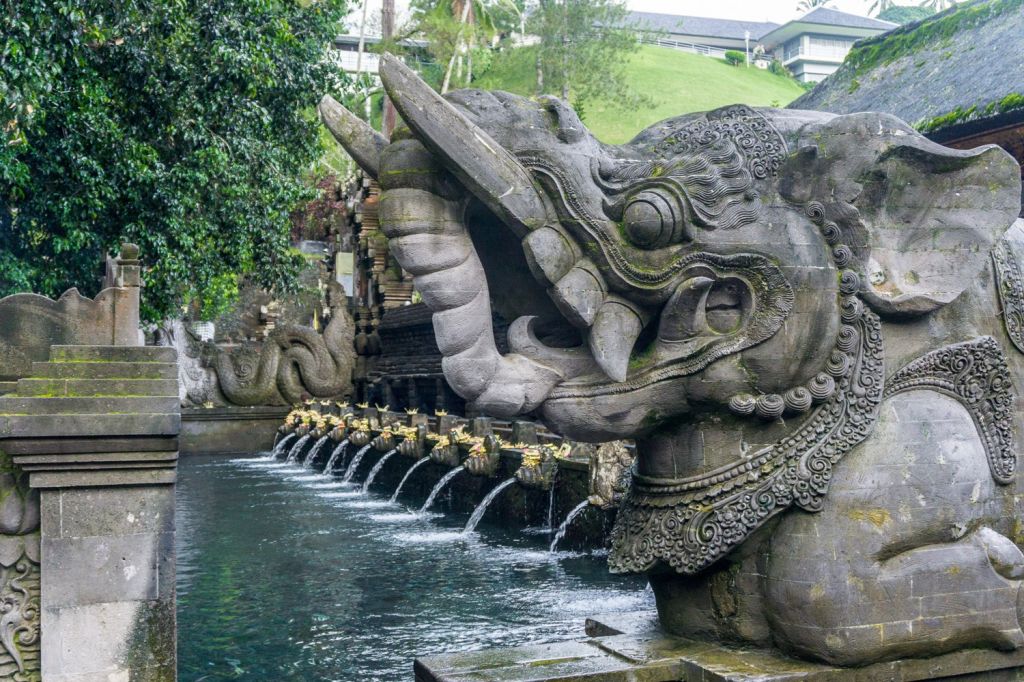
[678, 83]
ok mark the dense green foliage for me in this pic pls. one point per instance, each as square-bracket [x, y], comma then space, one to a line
[904, 14]
[678, 82]
[185, 126]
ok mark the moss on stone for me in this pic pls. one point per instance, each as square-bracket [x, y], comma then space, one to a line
[910, 39]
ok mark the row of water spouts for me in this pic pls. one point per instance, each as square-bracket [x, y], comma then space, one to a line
[291, 447]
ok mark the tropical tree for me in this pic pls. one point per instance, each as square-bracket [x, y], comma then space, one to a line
[583, 48]
[938, 5]
[185, 126]
[455, 31]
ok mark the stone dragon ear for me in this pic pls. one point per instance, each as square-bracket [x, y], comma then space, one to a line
[920, 218]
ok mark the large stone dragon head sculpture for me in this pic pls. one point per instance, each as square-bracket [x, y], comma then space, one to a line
[707, 267]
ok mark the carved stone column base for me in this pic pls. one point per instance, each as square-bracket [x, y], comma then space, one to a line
[96, 431]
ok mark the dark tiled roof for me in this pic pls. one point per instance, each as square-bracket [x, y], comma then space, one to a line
[832, 17]
[702, 26]
[969, 56]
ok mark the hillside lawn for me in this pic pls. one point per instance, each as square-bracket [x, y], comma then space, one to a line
[678, 83]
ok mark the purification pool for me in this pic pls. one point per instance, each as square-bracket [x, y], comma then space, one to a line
[284, 573]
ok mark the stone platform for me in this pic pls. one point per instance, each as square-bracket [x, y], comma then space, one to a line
[631, 648]
[229, 430]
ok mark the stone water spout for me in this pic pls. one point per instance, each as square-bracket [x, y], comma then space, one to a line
[485, 457]
[413, 443]
[538, 468]
[446, 448]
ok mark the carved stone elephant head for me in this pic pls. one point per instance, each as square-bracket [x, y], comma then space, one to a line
[718, 289]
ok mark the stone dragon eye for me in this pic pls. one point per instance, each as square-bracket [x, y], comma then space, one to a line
[652, 221]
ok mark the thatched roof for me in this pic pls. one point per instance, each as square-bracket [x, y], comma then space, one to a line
[956, 71]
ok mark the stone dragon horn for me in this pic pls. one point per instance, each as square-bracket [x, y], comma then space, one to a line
[363, 143]
[422, 213]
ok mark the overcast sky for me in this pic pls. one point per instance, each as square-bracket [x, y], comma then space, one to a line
[779, 11]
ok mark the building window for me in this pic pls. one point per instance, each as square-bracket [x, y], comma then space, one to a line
[833, 48]
[792, 49]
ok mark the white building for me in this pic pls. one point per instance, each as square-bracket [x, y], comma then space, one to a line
[813, 46]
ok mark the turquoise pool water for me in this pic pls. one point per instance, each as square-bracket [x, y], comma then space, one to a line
[284, 573]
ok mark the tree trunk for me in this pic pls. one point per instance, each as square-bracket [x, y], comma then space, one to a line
[387, 15]
[458, 44]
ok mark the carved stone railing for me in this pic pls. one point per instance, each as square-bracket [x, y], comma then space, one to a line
[30, 323]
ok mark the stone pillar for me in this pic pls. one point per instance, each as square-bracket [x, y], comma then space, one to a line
[524, 432]
[128, 280]
[96, 432]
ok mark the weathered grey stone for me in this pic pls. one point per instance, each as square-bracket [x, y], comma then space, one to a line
[33, 323]
[104, 370]
[88, 425]
[818, 380]
[96, 387]
[293, 363]
[229, 430]
[134, 354]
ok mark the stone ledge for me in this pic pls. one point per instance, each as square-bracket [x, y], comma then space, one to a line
[85, 446]
[200, 414]
[35, 407]
[36, 387]
[645, 654]
[89, 425]
[102, 478]
[113, 353]
[105, 370]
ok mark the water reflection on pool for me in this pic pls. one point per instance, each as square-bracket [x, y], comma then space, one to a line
[284, 574]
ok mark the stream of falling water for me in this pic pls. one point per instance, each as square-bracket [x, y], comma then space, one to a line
[376, 470]
[294, 452]
[440, 486]
[314, 450]
[279, 448]
[569, 518]
[334, 457]
[478, 513]
[351, 471]
[420, 462]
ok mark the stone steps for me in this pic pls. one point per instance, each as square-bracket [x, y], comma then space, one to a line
[105, 370]
[113, 354]
[18, 405]
[8, 387]
[90, 387]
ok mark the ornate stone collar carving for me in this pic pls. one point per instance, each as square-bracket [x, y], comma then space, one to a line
[1010, 285]
[976, 374]
[690, 523]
